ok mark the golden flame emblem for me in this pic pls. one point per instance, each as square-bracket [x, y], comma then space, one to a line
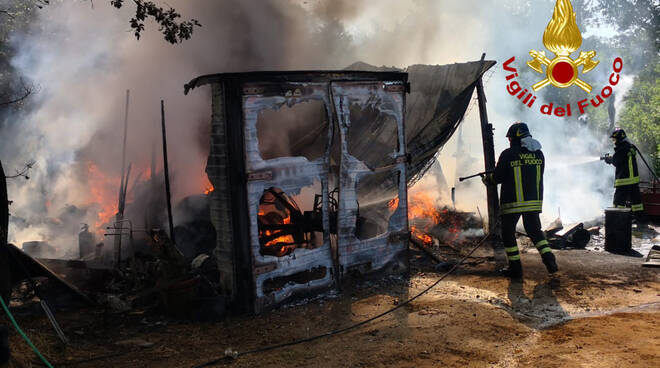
[562, 36]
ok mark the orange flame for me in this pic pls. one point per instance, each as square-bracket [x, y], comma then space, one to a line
[103, 190]
[208, 186]
[393, 204]
[424, 238]
[281, 239]
[282, 242]
[423, 211]
[422, 206]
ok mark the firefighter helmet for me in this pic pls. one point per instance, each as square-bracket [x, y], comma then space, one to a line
[618, 134]
[518, 130]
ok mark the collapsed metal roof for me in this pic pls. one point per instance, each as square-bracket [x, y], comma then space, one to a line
[435, 106]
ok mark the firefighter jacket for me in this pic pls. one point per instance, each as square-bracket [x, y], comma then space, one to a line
[625, 164]
[520, 172]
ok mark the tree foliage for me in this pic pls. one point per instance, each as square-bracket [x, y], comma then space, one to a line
[641, 115]
[637, 25]
[638, 41]
[16, 16]
[169, 21]
[170, 26]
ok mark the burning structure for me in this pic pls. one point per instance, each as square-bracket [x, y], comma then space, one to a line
[310, 171]
[308, 178]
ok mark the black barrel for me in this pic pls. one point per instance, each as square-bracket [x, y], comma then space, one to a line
[618, 230]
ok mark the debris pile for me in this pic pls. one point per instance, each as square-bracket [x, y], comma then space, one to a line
[574, 236]
[432, 224]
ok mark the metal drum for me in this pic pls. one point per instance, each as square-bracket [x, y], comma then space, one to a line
[618, 230]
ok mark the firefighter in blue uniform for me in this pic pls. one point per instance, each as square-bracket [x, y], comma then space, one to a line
[626, 183]
[520, 171]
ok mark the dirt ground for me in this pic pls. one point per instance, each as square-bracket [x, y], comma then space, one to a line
[604, 312]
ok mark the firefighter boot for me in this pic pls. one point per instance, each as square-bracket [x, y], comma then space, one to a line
[514, 271]
[641, 221]
[549, 262]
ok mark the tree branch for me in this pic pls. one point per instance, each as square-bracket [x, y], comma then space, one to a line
[27, 91]
[173, 29]
[24, 172]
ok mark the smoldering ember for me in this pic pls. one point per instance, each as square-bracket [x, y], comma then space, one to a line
[329, 183]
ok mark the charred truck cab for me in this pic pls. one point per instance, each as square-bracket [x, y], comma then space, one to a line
[309, 171]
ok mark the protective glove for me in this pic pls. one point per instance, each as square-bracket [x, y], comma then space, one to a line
[609, 159]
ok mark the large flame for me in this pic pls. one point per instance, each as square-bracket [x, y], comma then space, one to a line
[423, 206]
[562, 36]
[103, 191]
[424, 212]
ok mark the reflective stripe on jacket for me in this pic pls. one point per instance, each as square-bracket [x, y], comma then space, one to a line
[625, 164]
[520, 172]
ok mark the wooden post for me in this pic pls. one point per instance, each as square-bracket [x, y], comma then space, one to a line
[120, 206]
[489, 159]
[5, 276]
[167, 173]
[218, 170]
[120, 203]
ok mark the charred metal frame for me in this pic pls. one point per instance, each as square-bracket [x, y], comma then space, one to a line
[240, 176]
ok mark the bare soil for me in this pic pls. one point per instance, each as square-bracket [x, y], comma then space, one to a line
[605, 312]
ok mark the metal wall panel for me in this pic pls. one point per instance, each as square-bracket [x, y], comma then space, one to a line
[387, 248]
[291, 175]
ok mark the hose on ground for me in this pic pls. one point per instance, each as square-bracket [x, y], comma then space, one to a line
[23, 335]
[229, 355]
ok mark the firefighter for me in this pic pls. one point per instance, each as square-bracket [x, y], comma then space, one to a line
[520, 171]
[626, 176]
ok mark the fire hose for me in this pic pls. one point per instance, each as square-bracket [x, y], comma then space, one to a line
[232, 354]
[646, 163]
[23, 335]
[608, 157]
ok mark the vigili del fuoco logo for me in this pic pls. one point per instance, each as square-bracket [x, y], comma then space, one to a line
[562, 37]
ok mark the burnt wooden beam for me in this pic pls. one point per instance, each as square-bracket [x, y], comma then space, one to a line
[423, 248]
[489, 159]
[167, 173]
[5, 274]
[122, 195]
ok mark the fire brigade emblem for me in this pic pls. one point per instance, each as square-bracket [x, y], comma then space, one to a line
[562, 37]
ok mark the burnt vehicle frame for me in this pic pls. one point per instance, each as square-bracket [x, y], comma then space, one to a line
[254, 280]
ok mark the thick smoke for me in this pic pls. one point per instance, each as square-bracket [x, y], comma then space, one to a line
[84, 58]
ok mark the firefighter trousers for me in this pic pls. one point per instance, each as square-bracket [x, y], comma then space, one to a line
[532, 224]
[628, 196]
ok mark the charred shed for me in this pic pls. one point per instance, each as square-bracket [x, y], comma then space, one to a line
[310, 172]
